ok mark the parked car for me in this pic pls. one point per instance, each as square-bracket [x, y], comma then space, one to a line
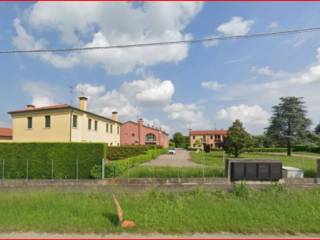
[172, 151]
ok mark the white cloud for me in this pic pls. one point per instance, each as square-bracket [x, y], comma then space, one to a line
[106, 24]
[236, 26]
[190, 115]
[41, 93]
[213, 85]
[273, 25]
[86, 89]
[254, 114]
[155, 122]
[150, 91]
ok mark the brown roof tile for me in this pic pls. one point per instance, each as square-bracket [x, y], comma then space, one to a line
[5, 132]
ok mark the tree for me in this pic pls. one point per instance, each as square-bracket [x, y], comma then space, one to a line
[197, 143]
[237, 139]
[289, 124]
[179, 140]
[261, 141]
[317, 129]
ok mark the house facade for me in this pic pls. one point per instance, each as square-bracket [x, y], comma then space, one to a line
[136, 133]
[64, 123]
[215, 138]
[5, 135]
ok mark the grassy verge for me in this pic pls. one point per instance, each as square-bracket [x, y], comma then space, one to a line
[173, 172]
[273, 210]
[215, 159]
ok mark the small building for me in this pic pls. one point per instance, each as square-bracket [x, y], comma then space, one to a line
[64, 123]
[5, 134]
[137, 133]
[215, 138]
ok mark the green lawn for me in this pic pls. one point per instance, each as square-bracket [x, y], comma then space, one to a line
[273, 210]
[215, 159]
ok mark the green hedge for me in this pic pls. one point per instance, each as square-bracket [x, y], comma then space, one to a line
[117, 168]
[275, 150]
[306, 149]
[122, 152]
[64, 158]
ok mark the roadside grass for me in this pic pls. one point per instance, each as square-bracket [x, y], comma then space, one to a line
[272, 210]
[173, 172]
[215, 159]
[308, 154]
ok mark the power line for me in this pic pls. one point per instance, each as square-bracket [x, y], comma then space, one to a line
[210, 39]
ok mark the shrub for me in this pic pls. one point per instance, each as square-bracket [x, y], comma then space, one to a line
[306, 149]
[241, 190]
[122, 152]
[275, 150]
[117, 168]
[40, 158]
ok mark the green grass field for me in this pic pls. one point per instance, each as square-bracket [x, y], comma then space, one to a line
[273, 210]
[215, 159]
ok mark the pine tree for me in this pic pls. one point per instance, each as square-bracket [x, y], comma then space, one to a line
[289, 124]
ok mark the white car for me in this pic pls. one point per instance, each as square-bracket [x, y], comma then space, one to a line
[171, 151]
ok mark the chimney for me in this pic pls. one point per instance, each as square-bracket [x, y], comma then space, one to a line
[30, 106]
[115, 116]
[83, 103]
[140, 121]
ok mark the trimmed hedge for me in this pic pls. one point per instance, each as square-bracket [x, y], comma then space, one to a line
[306, 149]
[122, 152]
[117, 168]
[65, 158]
[275, 150]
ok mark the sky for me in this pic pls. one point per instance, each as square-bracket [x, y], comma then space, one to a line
[176, 87]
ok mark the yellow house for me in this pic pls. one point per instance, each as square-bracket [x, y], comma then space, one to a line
[64, 123]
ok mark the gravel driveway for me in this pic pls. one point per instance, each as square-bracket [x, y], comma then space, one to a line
[182, 158]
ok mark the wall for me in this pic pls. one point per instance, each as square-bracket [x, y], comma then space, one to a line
[140, 131]
[58, 132]
[83, 134]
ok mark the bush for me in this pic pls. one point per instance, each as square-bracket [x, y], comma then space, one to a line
[306, 149]
[275, 150]
[241, 190]
[40, 158]
[122, 152]
[117, 168]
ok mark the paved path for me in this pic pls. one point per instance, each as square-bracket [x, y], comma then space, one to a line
[182, 158]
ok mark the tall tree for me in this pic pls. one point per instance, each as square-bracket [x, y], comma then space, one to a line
[179, 139]
[317, 129]
[237, 139]
[289, 124]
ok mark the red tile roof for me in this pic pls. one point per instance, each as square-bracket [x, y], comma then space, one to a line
[59, 106]
[208, 132]
[5, 132]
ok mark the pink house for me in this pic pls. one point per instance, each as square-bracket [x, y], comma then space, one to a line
[136, 133]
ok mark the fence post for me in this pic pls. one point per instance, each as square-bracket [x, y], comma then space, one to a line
[27, 169]
[102, 170]
[77, 169]
[2, 168]
[51, 169]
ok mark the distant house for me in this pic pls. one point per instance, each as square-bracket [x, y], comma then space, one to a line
[64, 123]
[137, 133]
[5, 134]
[214, 138]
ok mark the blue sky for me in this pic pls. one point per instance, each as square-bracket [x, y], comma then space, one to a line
[177, 87]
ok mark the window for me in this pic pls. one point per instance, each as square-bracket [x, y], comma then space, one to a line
[211, 137]
[89, 123]
[47, 123]
[29, 122]
[111, 128]
[96, 125]
[150, 138]
[194, 137]
[118, 130]
[132, 134]
[107, 127]
[75, 121]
